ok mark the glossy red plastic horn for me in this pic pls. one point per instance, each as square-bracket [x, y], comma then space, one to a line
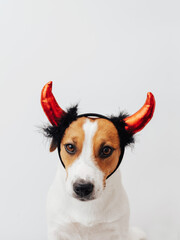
[50, 106]
[138, 121]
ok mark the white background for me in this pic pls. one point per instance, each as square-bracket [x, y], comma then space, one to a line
[105, 55]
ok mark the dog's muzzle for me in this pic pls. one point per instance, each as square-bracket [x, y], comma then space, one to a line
[83, 190]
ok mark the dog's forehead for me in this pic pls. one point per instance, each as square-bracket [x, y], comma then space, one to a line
[75, 129]
[105, 129]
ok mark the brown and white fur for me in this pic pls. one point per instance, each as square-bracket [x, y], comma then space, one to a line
[105, 214]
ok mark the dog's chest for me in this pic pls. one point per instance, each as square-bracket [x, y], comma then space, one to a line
[105, 231]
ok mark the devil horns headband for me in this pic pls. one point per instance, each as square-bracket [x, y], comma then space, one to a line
[134, 123]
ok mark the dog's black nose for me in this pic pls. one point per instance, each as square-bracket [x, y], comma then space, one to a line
[82, 188]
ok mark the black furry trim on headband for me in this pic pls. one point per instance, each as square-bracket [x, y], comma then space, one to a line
[126, 137]
[57, 132]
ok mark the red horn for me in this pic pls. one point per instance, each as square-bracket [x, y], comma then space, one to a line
[49, 104]
[138, 121]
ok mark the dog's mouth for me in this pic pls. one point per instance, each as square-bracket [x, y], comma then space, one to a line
[84, 198]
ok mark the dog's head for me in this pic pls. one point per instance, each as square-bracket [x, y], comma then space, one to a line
[90, 146]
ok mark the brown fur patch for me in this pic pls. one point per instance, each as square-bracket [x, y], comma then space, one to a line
[106, 135]
[74, 134]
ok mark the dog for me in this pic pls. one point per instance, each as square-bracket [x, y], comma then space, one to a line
[87, 200]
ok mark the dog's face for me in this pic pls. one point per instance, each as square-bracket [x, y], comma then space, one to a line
[90, 150]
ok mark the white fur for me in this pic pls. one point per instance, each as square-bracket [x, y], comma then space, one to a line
[84, 167]
[105, 218]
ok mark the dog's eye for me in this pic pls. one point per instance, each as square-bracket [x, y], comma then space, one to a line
[106, 151]
[70, 148]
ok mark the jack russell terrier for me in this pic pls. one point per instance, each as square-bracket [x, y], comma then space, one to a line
[87, 200]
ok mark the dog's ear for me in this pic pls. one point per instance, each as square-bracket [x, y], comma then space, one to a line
[56, 132]
[53, 146]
